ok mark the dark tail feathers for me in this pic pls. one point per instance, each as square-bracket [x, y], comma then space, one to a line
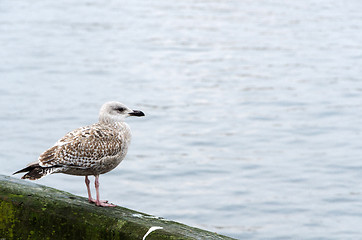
[35, 172]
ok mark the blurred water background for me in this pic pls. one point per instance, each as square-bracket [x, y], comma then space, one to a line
[253, 108]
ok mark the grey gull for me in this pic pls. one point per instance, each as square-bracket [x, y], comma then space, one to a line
[90, 150]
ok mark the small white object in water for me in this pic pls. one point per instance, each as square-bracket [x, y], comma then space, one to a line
[151, 230]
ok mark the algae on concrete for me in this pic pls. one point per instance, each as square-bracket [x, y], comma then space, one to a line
[33, 211]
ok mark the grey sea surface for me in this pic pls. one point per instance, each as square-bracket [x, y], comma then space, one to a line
[253, 108]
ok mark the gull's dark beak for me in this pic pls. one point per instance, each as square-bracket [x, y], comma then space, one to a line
[137, 113]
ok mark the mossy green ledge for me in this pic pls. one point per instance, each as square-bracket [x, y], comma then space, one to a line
[33, 211]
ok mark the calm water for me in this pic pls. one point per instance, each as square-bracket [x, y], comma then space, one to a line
[254, 108]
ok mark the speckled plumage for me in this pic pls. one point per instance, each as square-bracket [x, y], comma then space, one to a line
[90, 150]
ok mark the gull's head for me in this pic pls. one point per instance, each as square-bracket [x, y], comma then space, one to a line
[116, 112]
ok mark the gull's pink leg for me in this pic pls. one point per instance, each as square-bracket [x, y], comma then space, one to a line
[100, 202]
[90, 199]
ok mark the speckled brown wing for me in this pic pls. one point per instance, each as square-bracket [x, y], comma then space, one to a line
[83, 147]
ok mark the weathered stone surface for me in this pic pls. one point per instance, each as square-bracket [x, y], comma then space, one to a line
[33, 211]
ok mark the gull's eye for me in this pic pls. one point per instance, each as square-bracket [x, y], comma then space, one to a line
[120, 109]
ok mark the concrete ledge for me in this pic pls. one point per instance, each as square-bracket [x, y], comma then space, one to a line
[33, 211]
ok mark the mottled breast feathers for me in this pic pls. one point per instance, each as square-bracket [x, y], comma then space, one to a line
[84, 147]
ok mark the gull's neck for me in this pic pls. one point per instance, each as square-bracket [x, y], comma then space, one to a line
[106, 119]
